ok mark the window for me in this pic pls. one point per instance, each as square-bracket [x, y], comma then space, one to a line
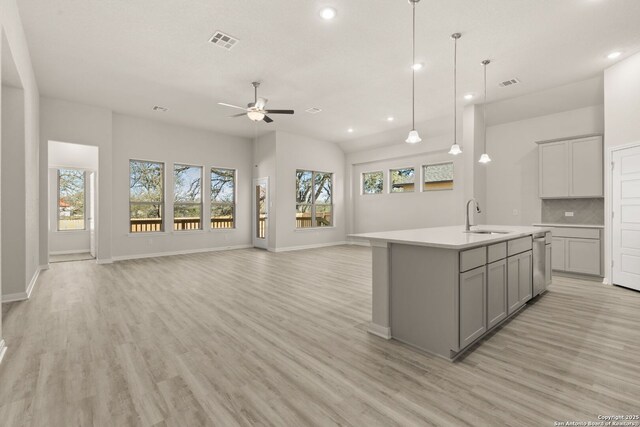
[187, 197]
[71, 199]
[223, 198]
[314, 199]
[402, 180]
[146, 196]
[372, 182]
[438, 176]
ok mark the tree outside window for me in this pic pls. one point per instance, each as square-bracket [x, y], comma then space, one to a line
[314, 199]
[71, 199]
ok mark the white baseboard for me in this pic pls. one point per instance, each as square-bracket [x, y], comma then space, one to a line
[185, 252]
[22, 296]
[104, 261]
[380, 331]
[69, 252]
[3, 349]
[315, 246]
[18, 296]
[32, 283]
[44, 267]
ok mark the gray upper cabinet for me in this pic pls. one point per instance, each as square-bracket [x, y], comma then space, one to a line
[571, 168]
[554, 174]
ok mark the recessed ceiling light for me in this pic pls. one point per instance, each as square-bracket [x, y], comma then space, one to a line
[468, 96]
[328, 13]
[417, 66]
[350, 130]
[614, 55]
[390, 119]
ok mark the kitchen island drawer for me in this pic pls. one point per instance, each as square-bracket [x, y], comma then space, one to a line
[473, 258]
[517, 246]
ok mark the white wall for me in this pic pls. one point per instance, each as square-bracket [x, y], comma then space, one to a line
[142, 139]
[396, 211]
[301, 152]
[78, 124]
[512, 176]
[17, 44]
[13, 190]
[264, 159]
[622, 126]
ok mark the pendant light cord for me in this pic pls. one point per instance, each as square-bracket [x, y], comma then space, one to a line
[455, 89]
[484, 107]
[413, 73]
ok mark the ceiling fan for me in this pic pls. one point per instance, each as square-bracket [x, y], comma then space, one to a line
[256, 110]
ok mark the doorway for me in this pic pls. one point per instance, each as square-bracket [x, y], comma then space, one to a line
[73, 198]
[261, 213]
[625, 217]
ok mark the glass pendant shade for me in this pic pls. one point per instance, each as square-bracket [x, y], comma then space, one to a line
[455, 150]
[413, 137]
[484, 158]
[256, 116]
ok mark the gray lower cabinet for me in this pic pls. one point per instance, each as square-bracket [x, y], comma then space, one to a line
[496, 292]
[473, 318]
[557, 257]
[583, 256]
[519, 280]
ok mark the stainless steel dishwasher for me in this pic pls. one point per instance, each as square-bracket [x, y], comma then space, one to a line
[541, 262]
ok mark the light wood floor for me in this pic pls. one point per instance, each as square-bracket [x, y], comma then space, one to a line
[249, 337]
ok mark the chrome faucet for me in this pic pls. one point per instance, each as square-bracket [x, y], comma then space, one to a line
[467, 225]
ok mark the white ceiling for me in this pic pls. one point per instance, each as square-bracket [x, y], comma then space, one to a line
[130, 55]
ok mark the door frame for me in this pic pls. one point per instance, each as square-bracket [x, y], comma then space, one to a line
[260, 243]
[608, 208]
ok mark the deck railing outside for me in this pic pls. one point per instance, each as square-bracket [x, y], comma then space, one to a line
[143, 225]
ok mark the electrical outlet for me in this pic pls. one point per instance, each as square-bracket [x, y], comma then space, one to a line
[568, 214]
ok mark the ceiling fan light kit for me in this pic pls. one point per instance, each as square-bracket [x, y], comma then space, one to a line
[255, 110]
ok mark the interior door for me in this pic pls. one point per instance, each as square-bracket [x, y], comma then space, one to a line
[626, 218]
[91, 221]
[261, 213]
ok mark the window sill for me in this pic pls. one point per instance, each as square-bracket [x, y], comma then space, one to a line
[71, 231]
[303, 230]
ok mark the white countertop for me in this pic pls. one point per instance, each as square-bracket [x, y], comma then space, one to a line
[449, 237]
[542, 224]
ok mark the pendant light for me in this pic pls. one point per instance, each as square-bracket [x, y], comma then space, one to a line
[455, 148]
[413, 137]
[485, 157]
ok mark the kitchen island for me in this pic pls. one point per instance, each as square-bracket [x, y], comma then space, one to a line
[442, 289]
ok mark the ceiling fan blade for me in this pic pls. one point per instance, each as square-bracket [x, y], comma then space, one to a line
[267, 119]
[279, 111]
[232, 106]
[260, 103]
[239, 115]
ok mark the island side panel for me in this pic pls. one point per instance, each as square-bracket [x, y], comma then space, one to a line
[380, 325]
[423, 303]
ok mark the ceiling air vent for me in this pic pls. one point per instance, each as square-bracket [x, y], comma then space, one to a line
[313, 110]
[159, 108]
[223, 40]
[509, 82]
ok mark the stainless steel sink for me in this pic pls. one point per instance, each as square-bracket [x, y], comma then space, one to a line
[486, 232]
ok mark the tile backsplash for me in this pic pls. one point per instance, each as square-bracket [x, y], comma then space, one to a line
[585, 211]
